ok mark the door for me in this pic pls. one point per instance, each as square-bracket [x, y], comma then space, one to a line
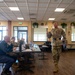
[23, 34]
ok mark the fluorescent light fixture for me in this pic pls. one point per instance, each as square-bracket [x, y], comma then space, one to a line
[14, 8]
[59, 9]
[51, 19]
[1, 0]
[20, 18]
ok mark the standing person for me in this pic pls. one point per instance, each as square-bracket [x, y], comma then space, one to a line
[6, 55]
[56, 33]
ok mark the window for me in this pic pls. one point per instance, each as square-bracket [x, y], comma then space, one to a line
[40, 34]
[73, 34]
[3, 32]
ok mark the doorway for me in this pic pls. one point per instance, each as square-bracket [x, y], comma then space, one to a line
[20, 32]
[23, 34]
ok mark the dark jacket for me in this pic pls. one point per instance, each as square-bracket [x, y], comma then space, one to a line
[5, 48]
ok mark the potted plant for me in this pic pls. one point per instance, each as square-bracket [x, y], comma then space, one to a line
[63, 25]
[35, 25]
[73, 24]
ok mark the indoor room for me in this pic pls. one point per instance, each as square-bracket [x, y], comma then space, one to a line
[37, 37]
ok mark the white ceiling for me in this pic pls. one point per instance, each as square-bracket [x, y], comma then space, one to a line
[37, 10]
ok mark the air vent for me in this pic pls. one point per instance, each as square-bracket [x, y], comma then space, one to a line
[32, 18]
[32, 14]
[70, 11]
[63, 19]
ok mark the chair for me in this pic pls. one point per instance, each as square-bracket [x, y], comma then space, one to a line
[2, 64]
[48, 44]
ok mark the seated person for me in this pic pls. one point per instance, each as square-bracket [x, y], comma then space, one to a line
[31, 44]
[21, 44]
[6, 55]
[15, 44]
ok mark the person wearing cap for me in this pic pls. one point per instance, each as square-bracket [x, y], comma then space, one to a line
[56, 33]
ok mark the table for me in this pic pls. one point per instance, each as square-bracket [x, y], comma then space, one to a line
[22, 52]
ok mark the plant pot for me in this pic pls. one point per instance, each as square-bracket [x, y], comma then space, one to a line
[35, 25]
[63, 25]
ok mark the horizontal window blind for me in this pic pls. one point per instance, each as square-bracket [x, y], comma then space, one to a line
[40, 34]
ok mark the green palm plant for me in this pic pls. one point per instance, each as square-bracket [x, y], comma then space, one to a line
[35, 25]
[73, 24]
[63, 25]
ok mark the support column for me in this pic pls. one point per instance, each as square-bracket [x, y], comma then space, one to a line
[9, 28]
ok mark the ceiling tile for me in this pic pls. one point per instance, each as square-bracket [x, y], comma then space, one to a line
[56, 1]
[16, 12]
[22, 4]
[63, 5]
[39, 18]
[32, 4]
[33, 16]
[42, 9]
[71, 6]
[2, 5]
[11, 4]
[66, 1]
[33, 11]
[41, 13]
[43, 5]
[23, 8]
[32, 0]
[53, 5]
[18, 15]
[31, 8]
[44, 0]
[51, 9]
[5, 8]
[27, 18]
[8, 0]
[20, 0]
[48, 14]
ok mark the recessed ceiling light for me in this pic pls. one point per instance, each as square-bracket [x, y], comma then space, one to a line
[59, 9]
[14, 8]
[20, 18]
[51, 19]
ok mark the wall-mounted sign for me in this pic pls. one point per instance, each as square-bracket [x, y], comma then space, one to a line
[20, 23]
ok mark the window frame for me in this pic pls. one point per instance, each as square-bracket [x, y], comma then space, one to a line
[72, 34]
[20, 31]
[2, 37]
[38, 35]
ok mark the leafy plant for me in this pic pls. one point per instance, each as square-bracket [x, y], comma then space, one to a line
[35, 25]
[63, 25]
[73, 23]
